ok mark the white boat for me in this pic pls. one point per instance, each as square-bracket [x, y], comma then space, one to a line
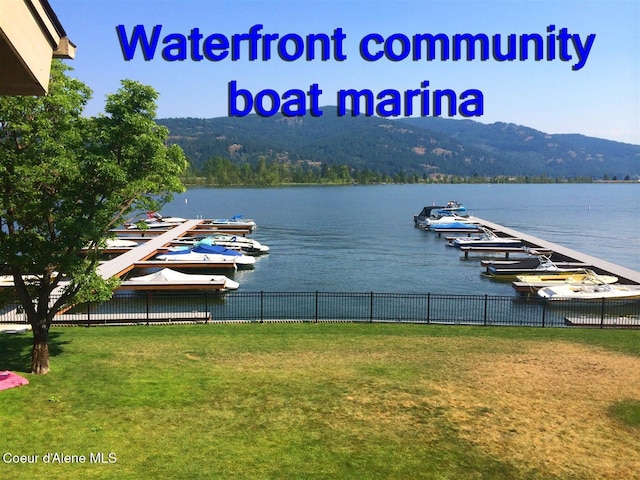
[436, 211]
[568, 291]
[542, 264]
[155, 220]
[248, 246]
[236, 222]
[14, 328]
[586, 277]
[6, 281]
[453, 227]
[120, 243]
[445, 217]
[454, 206]
[531, 283]
[206, 253]
[486, 239]
[168, 279]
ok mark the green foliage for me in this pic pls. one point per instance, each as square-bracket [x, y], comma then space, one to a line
[404, 150]
[223, 172]
[66, 180]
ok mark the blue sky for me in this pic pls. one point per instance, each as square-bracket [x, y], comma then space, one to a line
[602, 99]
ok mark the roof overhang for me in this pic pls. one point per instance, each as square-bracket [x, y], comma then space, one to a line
[30, 36]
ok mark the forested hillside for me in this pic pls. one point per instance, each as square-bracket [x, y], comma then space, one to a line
[413, 148]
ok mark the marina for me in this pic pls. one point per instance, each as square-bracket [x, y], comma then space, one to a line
[496, 240]
[625, 275]
[346, 241]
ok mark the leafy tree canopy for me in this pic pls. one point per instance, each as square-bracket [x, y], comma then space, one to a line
[66, 181]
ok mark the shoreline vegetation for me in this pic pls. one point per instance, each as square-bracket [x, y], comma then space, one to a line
[222, 172]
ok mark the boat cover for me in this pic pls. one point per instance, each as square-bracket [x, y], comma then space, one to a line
[426, 211]
[170, 276]
[445, 226]
[215, 249]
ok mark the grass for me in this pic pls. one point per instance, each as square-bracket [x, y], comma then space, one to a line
[266, 401]
[627, 412]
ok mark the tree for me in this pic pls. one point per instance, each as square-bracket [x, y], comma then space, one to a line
[66, 181]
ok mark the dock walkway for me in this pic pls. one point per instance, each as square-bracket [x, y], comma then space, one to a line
[125, 262]
[625, 275]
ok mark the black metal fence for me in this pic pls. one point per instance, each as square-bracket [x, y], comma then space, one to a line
[428, 308]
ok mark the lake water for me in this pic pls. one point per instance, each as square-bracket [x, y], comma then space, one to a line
[362, 238]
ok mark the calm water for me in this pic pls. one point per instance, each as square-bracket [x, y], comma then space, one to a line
[362, 238]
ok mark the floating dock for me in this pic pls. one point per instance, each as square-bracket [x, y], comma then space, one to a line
[625, 275]
[506, 250]
[127, 261]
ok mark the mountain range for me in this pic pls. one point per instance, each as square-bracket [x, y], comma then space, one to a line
[423, 146]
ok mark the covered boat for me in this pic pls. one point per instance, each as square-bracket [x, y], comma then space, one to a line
[425, 213]
[436, 211]
[168, 279]
[14, 328]
[206, 253]
[444, 218]
[246, 245]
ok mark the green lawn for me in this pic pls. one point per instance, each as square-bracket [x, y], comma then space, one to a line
[295, 401]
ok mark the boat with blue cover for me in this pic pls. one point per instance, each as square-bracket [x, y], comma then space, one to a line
[206, 253]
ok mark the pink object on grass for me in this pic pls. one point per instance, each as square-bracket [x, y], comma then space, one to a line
[9, 380]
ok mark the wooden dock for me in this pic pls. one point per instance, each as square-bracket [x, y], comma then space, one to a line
[625, 275]
[126, 262]
[607, 321]
[202, 228]
[466, 231]
[188, 264]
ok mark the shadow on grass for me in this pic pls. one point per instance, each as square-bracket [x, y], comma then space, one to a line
[15, 350]
[627, 412]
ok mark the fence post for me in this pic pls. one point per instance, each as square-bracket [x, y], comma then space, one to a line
[428, 308]
[371, 307]
[207, 314]
[147, 298]
[88, 314]
[602, 313]
[261, 306]
[316, 316]
[544, 310]
[486, 299]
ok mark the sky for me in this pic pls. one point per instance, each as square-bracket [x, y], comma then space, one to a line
[601, 99]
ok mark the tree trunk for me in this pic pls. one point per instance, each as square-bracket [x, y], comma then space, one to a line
[40, 352]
